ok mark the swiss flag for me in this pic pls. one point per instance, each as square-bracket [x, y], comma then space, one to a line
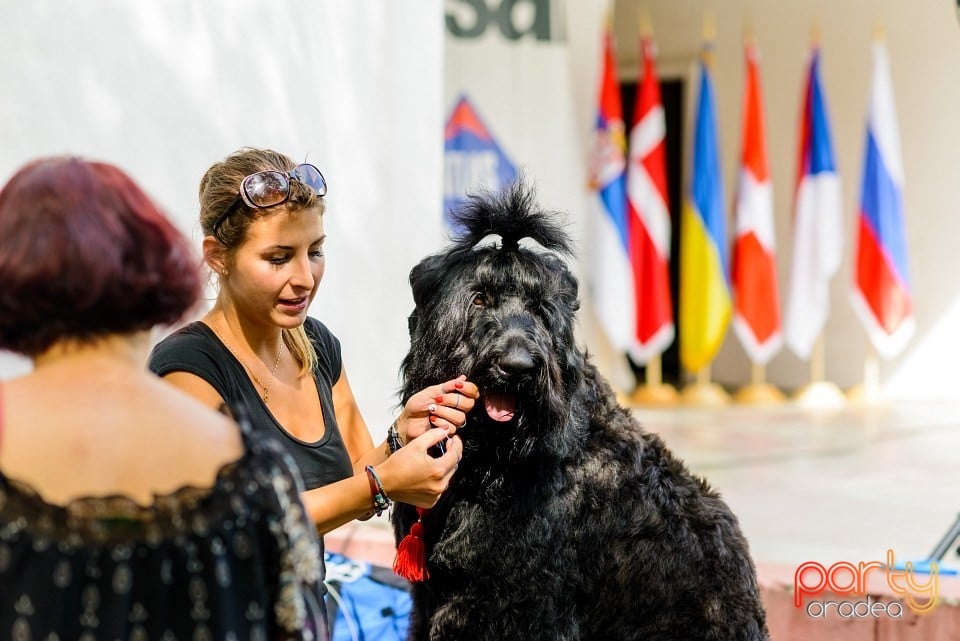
[753, 270]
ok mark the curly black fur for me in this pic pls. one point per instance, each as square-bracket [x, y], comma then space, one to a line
[568, 521]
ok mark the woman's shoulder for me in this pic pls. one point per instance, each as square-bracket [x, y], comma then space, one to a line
[325, 341]
[191, 335]
[317, 329]
[193, 345]
[261, 471]
[252, 509]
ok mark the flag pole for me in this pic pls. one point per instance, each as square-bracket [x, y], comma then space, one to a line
[818, 367]
[709, 39]
[869, 391]
[654, 391]
[759, 391]
[645, 25]
[654, 372]
[819, 393]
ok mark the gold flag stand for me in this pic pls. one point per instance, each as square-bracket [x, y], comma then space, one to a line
[819, 393]
[759, 391]
[703, 392]
[654, 391]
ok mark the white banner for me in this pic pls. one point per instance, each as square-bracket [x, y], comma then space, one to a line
[164, 89]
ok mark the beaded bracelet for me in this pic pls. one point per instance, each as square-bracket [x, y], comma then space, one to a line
[380, 499]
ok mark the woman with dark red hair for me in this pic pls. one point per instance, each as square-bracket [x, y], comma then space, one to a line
[128, 510]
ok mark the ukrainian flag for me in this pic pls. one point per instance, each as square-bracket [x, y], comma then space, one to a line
[705, 305]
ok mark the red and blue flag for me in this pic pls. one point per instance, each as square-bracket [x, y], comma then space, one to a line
[611, 275]
[817, 222]
[882, 294]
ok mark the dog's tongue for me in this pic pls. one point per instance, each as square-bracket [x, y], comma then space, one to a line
[500, 406]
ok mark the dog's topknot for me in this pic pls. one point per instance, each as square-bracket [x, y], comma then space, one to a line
[511, 214]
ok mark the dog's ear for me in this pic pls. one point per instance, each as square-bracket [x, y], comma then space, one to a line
[571, 288]
[412, 322]
[425, 278]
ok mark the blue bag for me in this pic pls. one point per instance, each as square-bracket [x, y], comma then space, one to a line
[365, 602]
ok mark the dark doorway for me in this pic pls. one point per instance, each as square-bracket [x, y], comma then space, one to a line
[671, 93]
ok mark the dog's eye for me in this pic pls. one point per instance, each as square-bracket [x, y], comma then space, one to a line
[479, 300]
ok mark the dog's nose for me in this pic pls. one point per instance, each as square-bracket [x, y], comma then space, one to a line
[515, 361]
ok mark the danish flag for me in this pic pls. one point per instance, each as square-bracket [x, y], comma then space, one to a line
[648, 216]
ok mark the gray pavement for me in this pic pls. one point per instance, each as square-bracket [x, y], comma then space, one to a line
[827, 485]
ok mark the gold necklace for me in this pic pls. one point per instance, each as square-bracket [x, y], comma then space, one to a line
[256, 379]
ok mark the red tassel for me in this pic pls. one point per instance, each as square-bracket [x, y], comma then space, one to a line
[411, 560]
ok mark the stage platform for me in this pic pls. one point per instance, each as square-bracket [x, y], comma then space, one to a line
[824, 486]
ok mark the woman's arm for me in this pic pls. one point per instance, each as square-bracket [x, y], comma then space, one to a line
[196, 387]
[411, 476]
[353, 429]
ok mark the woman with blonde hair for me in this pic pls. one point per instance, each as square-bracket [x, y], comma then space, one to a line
[262, 220]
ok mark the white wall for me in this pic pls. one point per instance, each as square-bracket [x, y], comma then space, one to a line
[923, 42]
[165, 88]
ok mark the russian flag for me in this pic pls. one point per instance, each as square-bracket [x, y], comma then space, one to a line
[704, 288]
[611, 271]
[817, 222]
[754, 268]
[881, 293]
[649, 216]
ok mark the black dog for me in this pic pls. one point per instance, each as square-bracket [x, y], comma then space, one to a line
[565, 520]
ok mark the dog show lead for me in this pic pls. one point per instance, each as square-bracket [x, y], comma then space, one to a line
[262, 219]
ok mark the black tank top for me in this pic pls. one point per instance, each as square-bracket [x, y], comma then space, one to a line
[197, 350]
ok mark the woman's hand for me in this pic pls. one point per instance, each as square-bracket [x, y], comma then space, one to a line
[411, 475]
[444, 406]
[432, 415]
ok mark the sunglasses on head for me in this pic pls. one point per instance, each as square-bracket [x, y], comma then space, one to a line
[268, 188]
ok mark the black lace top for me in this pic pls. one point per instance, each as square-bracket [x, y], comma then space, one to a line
[235, 562]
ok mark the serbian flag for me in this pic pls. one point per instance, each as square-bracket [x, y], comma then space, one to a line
[881, 289]
[704, 290]
[754, 269]
[648, 220]
[611, 273]
[817, 222]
